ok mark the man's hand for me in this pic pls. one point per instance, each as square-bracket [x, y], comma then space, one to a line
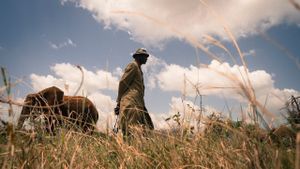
[117, 109]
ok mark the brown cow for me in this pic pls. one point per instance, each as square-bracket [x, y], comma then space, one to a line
[80, 110]
[54, 105]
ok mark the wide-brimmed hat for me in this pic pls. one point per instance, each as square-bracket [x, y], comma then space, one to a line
[140, 52]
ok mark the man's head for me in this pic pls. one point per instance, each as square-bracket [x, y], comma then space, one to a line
[141, 55]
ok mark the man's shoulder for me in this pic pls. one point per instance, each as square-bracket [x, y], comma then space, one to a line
[132, 65]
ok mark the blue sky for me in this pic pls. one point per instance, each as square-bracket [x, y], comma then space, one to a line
[41, 39]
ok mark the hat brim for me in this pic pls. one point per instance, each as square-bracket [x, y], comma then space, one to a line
[140, 54]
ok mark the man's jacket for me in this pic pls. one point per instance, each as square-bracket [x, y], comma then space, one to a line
[131, 99]
[131, 87]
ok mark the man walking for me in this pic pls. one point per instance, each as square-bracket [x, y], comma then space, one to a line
[130, 100]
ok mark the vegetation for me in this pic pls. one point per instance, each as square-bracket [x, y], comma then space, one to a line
[224, 144]
[293, 111]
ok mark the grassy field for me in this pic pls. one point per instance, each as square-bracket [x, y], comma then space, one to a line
[223, 144]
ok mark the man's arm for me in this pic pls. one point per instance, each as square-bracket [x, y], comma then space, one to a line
[126, 80]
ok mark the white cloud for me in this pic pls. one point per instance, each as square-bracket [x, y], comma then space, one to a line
[16, 111]
[221, 79]
[251, 52]
[67, 43]
[151, 69]
[63, 2]
[105, 106]
[155, 21]
[118, 72]
[190, 114]
[68, 77]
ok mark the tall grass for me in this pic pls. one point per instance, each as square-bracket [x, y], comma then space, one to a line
[224, 145]
[10, 148]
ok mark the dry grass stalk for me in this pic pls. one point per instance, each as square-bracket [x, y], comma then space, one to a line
[163, 150]
[10, 126]
[295, 4]
[297, 160]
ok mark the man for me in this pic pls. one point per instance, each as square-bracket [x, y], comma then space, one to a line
[130, 100]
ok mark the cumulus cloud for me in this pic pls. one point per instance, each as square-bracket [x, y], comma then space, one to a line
[68, 76]
[105, 105]
[189, 113]
[155, 21]
[251, 52]
[151, 69]
[67, 43]
[16, 111]
[221, 79]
